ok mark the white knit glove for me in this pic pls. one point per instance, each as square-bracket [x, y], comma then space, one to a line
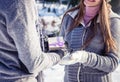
[75, 57]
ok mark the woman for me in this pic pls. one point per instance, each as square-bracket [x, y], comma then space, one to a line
[92, 33]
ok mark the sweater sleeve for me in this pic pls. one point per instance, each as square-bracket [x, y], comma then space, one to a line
[109, 62]
[62, 27]
[66, 22]
[21, 28]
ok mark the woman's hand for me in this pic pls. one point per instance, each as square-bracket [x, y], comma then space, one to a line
[75, 57]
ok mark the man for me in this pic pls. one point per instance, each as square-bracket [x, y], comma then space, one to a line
[21, 59]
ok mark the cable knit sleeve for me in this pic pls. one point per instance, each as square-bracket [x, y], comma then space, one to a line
[21, 28]
[109, 62]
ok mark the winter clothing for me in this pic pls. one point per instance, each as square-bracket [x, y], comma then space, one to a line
[96, 65]
[21, 58]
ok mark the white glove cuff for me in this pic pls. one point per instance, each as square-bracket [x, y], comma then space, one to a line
[80, 56]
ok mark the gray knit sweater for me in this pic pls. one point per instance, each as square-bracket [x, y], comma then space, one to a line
[20, 52]
[99, 65]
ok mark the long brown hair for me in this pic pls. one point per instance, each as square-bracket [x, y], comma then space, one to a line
[104, 24]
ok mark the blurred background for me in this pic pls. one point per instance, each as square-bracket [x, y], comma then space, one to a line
[50, 14]
[51, 11]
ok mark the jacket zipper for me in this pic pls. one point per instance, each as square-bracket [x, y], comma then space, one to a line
[78, 73]
[83, 36]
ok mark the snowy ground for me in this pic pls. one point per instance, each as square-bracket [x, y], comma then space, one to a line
[56, 74]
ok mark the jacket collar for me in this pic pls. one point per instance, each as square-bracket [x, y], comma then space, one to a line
[74, 13]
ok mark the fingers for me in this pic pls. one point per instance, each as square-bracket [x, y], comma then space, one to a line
[67, 60]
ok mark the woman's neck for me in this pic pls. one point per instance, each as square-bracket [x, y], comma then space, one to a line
[90, 13]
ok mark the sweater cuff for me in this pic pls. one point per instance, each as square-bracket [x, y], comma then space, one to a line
[59, 52]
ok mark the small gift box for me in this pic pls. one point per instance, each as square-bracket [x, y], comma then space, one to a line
[56, 43]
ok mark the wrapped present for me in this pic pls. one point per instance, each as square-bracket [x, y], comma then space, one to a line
[56, 43]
